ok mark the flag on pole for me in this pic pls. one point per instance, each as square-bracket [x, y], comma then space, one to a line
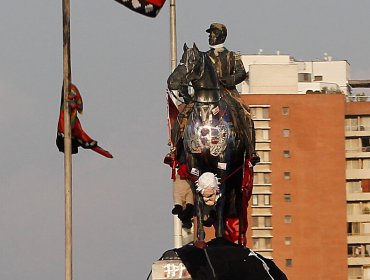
[79, 137]
[148, 8]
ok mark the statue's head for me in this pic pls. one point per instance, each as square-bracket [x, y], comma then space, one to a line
[207, 187]
[217, 34]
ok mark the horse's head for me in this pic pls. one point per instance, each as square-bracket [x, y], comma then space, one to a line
[191, 68]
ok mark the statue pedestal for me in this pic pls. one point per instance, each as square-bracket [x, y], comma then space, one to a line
[169, 269]
[220, 259]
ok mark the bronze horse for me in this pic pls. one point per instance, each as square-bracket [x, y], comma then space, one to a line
[210, 140]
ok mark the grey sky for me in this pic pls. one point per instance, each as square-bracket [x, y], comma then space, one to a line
[120, 62]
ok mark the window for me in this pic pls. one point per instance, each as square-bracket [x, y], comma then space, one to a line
[287, 219]
[265, 156]
[260, 113]
[288, 240]
[254, 221]
[353, 163]
[353, 228]
[353, 187]
[286, 175]
[265, 113]
[355, 251]
[261, 243]
[355, 272]
[366, 228]
[262, 134]
[262, 178]
[287, 197]
[352, 124]
[286, 153]
[352, 208]
[365, 207]
[286, 132]
[304, 77]
[285, 111]
[365, 141]
[267, 221]
[266, 199]
[288, 262]
[267, 243]
[266, 178]
[256, 243]
[254, 200]
[352, 145]
[365, 164]
[317, 78]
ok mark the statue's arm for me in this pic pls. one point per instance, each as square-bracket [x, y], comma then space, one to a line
[239, 71]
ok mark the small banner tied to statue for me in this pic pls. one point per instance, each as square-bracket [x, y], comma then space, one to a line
[148, 8]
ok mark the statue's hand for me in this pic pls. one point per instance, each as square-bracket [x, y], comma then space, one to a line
[228, 81]
[184, 93]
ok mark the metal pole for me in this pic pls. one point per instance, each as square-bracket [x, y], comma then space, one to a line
[67, 140]
[177, 227]
[173, 37]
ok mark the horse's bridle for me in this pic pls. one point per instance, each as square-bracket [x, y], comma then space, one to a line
[190, 72]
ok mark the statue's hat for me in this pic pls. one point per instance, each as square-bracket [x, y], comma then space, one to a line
[217, 26]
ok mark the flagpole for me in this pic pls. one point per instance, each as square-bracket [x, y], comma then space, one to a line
[67, 139]
[177, 227]
[173, 36]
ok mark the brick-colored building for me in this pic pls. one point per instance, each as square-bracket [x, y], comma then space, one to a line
[298, 205]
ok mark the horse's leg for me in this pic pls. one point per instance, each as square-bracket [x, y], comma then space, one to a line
[199, 241]
[220, 221]
[192, 162]
[243, 222]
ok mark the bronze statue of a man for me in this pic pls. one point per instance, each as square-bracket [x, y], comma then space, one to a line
[230, 72]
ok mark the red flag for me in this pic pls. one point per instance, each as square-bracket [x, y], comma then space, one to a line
[79, 137]
[173, 111]
[149, 8]
[234, 231]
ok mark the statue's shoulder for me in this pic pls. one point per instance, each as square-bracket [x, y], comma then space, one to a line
[237, 55]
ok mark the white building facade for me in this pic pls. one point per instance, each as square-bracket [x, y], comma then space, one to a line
[284, 74]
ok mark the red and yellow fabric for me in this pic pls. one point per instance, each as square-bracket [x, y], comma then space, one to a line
[79, 137]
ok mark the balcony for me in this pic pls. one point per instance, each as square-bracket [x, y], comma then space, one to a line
[357, 174]
[358, 239]
[357, 131]
[359, 196]
[358, 261]
[363, 152]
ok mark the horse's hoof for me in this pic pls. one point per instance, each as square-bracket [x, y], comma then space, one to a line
[187, 224]
[200, 244]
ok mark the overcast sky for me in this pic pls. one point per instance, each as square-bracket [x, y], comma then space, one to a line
[120, 62]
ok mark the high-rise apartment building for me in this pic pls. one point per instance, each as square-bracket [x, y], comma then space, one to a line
[311, 200]
[357, 130]
[298, 204]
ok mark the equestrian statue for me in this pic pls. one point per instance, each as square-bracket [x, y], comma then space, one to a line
[213, 137]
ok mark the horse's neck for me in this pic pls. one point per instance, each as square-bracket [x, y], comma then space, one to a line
[206, 88]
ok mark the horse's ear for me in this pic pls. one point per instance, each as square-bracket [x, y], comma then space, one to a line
[195, 47]
[185, 47]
